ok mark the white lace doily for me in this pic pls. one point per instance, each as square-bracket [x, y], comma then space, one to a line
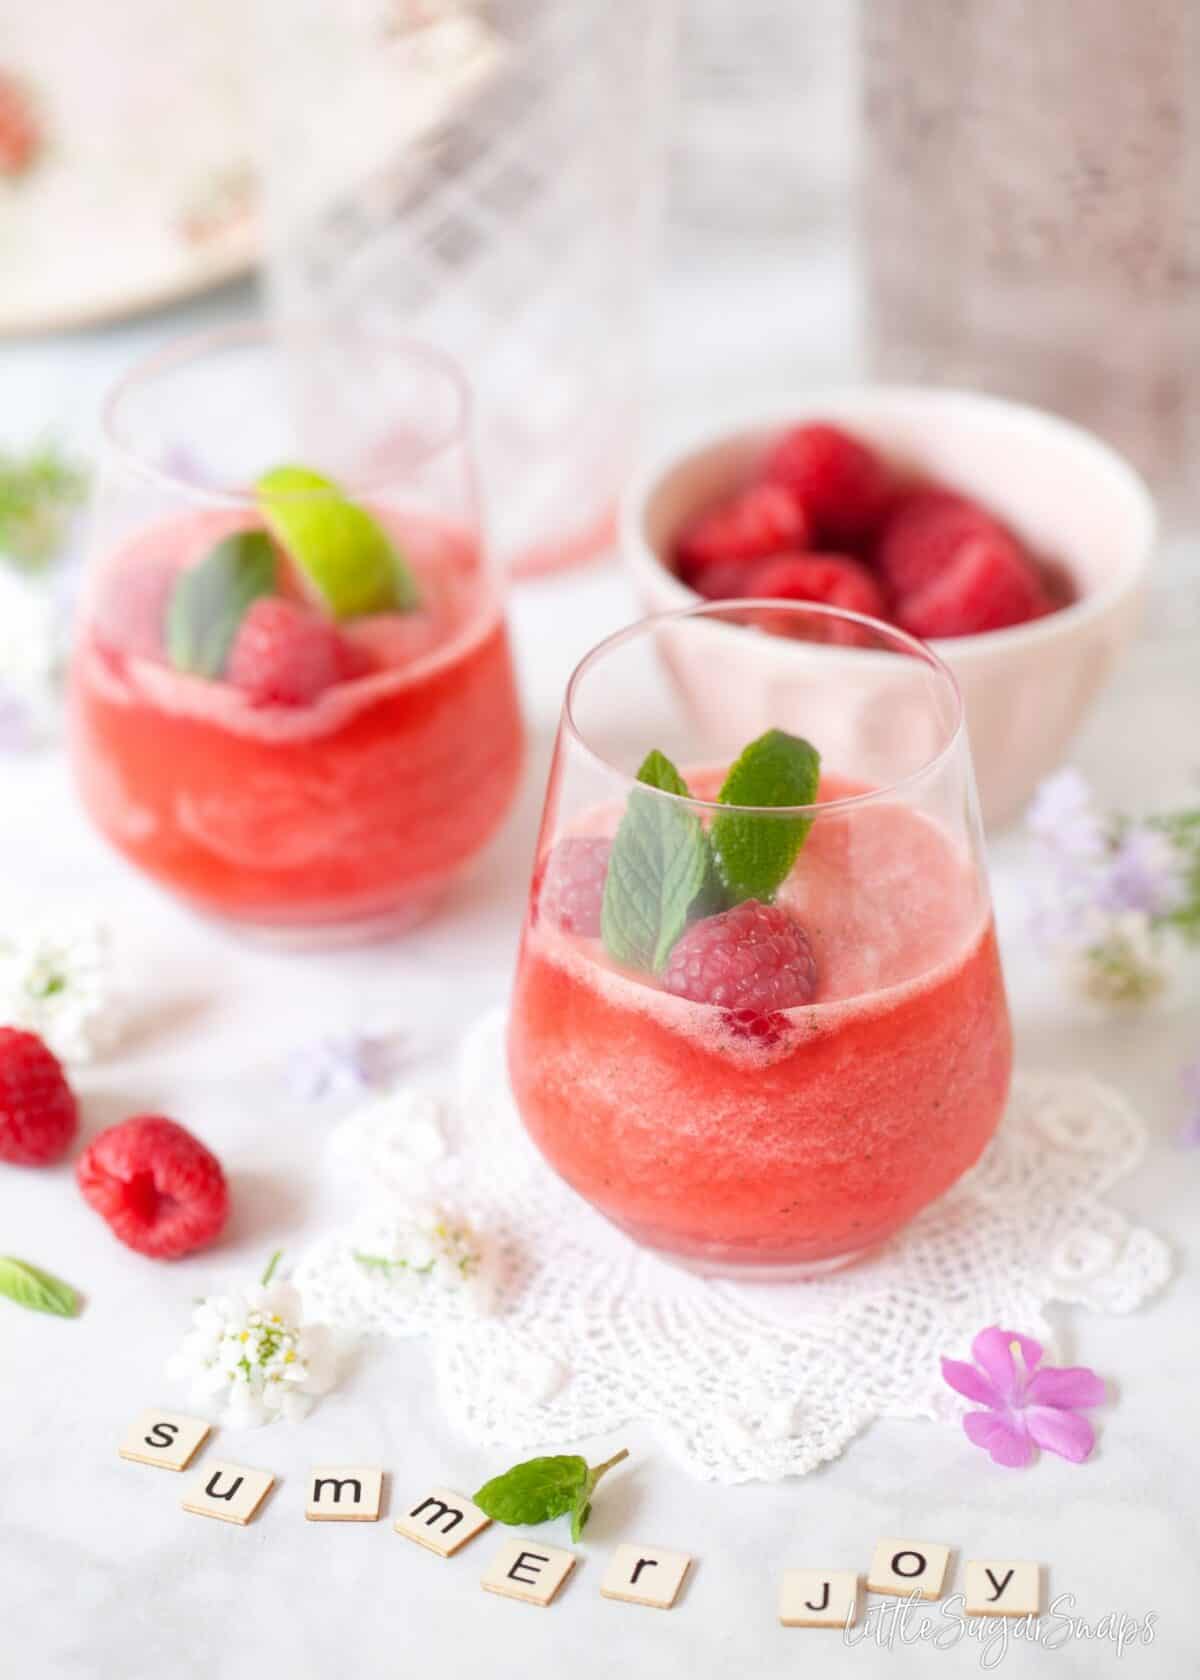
[572, 1331]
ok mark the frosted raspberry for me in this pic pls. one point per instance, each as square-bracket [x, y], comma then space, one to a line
[922, 535]
[572, 890]
[833, 579]
[987, 585]
[284, 654]
[38, 1114]
[753, 957]
[842, 485]
[765, 519]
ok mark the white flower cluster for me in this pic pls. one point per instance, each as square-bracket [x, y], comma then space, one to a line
[419, 1246]
[253, 1351]
[57, 980]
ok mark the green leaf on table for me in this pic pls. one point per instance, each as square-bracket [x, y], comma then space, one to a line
[658, 866]
[210, 599]
[39, 491]
[543, 1488]
[755, 853]
[30, 1287]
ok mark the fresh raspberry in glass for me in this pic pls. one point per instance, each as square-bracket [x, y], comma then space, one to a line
[753, 957]
[572, 890]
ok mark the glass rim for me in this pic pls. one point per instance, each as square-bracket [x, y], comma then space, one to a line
[909, 645]
[193, 346]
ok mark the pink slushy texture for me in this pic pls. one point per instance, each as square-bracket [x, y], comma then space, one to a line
[879, 1096]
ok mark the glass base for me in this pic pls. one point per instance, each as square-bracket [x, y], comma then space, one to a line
[715, 1260]
[375, 928]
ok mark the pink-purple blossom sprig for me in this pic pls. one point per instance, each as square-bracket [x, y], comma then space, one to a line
[1026, 1404]
[1116, 893]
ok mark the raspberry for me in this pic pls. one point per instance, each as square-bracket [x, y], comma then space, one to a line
[766, 1031]
[833, 579]
[20, 137]
[988, 584]
[765, 519]
[753, 957]
[572, 889]
[922, 535]
[283, 654]
[161, 1191]
[38, 1113]
[722, 580]
[844, 486]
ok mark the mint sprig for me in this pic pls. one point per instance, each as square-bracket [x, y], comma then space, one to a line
[665, 869]
[30, 1287]
[210, 599]
[541, 1489]
[658, 865]
[755, 853]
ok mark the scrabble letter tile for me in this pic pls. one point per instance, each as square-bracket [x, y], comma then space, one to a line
[645, 1575]
[818, 1598]
[1004, 1589]
[527, 1570]
[349, 1493]
[905, 1567]
[167, 1439]
[442, 1521]
[228, 1491]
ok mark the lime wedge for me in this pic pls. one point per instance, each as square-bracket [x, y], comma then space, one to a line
[343, 552]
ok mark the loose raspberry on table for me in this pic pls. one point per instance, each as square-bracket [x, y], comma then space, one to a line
[572, 889]
[842, 484]
[285, 654]
[750, 525]
[831, 579]
[753, 957]
[38, 1112]
[160, 1189]
[987, 585]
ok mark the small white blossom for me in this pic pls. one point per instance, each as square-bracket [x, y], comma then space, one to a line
[254, 1351]
[57, 980]
[421, 1247]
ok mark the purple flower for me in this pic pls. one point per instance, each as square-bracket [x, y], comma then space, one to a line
[346, 1066]
[1144, 874]
[1063, 816]
[1189, 1133]
[1027, 1407]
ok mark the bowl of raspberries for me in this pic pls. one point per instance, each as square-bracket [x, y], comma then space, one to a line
[1016, 543]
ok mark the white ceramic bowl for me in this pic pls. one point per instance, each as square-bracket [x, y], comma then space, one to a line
[1071, 498]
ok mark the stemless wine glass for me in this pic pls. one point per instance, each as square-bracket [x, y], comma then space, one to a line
[292, 695]
[759, 1037]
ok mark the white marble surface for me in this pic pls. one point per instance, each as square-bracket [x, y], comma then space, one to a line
[101, 1574]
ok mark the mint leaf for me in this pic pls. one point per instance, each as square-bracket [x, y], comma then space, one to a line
[755, 853]
[658, 866]
[535, 1491]
[35, 1289]
[543, 1488]
[209, 600]
[582, 1508]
